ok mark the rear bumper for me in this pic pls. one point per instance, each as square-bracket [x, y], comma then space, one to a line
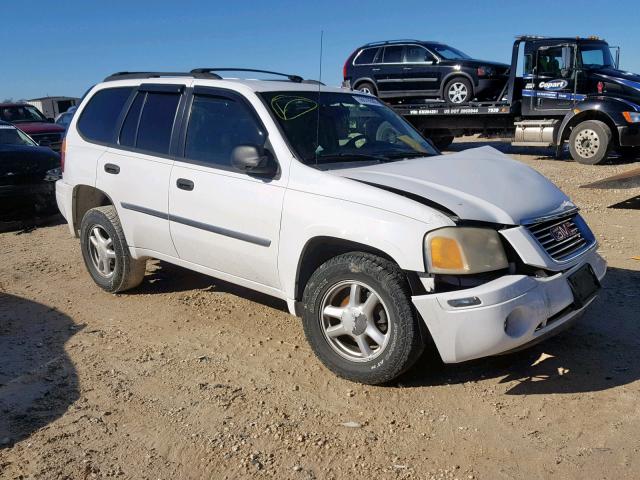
[629, 136]
[64, 199]
[515, 311]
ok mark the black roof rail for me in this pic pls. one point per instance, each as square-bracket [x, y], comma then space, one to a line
[132, 75]
[292, 78]
[402, 40]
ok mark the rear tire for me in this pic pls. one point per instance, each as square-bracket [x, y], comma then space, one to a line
[367, 87]
[458, 91]
[359, 319]
[105, 251]
[590, 142]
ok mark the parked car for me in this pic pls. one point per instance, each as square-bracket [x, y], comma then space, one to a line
[32, 122]
[64, 119]
[331, 201]
[415, 68]
[27, 176]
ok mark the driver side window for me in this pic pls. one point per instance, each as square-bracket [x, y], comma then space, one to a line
[555, 61]
[216, 126]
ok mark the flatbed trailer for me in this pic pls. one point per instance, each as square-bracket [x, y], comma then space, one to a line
[558, 100]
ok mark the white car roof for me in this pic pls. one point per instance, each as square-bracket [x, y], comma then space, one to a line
[228, 83]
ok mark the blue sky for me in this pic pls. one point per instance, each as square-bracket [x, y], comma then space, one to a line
[63, 47]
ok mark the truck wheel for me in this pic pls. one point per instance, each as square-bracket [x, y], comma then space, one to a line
[590, 142]
[458, 91]
[105, 251]
[366, 87]
[359, 319]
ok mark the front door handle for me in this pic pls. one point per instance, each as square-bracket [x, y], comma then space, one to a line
[406, 68]
[184, 184]
[111, 168]
[375, 69]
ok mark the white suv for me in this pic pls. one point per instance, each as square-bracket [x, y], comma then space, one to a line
[328, 199]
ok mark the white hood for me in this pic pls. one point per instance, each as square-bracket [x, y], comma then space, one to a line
[477, 184]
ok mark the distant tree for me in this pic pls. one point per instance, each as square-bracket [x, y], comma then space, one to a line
[7, 100]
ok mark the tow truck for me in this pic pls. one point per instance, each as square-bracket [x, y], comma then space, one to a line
[571, 91]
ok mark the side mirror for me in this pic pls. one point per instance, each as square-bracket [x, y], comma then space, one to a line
[253, 160]
[50, 120]
[44, 143]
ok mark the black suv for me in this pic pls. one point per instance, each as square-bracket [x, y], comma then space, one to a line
[413, 68]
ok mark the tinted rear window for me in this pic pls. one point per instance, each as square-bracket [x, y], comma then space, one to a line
[156, 122]
[99, 117]
[130, 125]
[367, 56]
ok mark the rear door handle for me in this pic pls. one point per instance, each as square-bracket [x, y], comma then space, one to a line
[406, 68]
[184, 184]
[111, 168]
[375, 69]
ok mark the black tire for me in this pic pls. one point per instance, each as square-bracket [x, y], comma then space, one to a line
[367, 87]
[405, 332]
[590, 142]
[127, 272]
[457, 84]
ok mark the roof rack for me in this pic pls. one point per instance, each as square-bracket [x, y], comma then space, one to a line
[130, 75]
[401, 40]
[531, 37]
[292, 78]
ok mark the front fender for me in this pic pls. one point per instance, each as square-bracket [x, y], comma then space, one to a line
[307, 216]
[607, 109]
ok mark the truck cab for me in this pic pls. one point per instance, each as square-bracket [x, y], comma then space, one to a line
[560, 90]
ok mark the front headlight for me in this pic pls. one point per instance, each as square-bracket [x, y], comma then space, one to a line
[631, 117]
[464, 250]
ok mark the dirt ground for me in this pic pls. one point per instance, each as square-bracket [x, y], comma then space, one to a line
[190, 377]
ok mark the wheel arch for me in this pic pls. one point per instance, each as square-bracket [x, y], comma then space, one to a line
[319, 249]
[361, 80]
[86, 197]
[451, 75]
[577, 118]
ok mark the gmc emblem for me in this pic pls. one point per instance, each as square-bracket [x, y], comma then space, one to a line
[561, 232]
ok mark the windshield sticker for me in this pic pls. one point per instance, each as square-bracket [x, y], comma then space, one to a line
[361, 99]
[288, 107]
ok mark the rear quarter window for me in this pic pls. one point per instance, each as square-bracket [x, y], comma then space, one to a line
[368, 55]
[98, 121]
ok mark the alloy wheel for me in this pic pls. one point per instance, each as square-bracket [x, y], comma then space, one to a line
[355, 321]
[101, 251]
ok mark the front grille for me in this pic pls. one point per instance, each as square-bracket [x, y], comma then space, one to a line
[562, 237]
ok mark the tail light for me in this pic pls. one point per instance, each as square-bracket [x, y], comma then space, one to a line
[63, 151]
[600, 87]
[346, 62]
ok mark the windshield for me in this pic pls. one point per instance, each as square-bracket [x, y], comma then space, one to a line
[449, 53]
[12, 136]
[595, 56]
[21, 114]
[344, 127]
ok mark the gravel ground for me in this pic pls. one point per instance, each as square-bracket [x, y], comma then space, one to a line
[189, 377]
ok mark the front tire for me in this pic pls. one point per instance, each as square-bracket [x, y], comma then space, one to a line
[105, 251]
[359, 319]
[458, 91]
[590, 142]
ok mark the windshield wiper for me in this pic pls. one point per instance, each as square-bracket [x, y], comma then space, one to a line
[403, 155]
[361, 157]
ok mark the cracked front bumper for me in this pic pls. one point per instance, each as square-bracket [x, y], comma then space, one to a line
[514, 310]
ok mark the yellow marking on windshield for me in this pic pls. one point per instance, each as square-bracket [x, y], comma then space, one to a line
[281, 103]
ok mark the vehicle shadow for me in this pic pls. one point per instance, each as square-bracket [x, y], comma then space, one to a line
[541, 153]
[38, 381]
[599, 352]
[163, 277]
